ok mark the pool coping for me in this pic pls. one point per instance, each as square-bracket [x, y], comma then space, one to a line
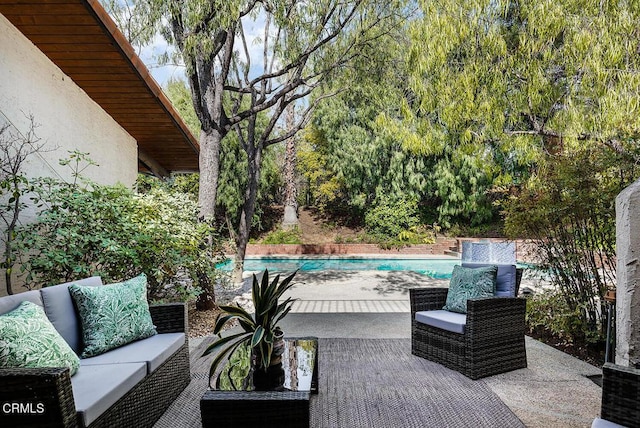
[348, 256]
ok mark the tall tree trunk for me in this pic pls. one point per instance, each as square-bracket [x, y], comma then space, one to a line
[210, 142]
[290, 219]
[254, 160]
[209, 172]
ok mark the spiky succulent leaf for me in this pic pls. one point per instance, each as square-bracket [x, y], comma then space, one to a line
[281, 288]
[265, 354]
[247, 326]
[281, 316]
[255, 288]
[257, 336]
[236, 310]
[221, 342]
[268, 337]
[221, 321]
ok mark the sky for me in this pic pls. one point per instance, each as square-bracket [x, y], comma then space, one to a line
[161, 73]
[254, 32]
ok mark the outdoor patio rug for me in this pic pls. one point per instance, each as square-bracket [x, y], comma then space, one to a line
[373, 383]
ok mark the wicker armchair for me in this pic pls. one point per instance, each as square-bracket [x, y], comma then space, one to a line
[47, 398]
[620, 397]
[493, 338]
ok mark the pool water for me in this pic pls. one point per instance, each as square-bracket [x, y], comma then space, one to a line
[435, 268]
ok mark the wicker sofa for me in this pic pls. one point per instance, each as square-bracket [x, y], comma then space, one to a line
[486, 341]
[130, 386]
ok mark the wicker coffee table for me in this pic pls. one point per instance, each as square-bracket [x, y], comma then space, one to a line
[288, 408]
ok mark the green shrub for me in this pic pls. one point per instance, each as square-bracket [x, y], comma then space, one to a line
[549, 312]
[90, 229]
[397, 224]
[390, 219]
[568, 212]
[281, 236]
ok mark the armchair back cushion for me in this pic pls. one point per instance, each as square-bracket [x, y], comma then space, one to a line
[506, 285]
[467, 283]
[60, 310]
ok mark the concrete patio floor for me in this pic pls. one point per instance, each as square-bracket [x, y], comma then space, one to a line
[553, 391]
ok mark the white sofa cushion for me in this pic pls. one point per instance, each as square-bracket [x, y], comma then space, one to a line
[603, 423]
[60, 310]
[98, 387]
[9, 303]
[446, 320]
[152, 351]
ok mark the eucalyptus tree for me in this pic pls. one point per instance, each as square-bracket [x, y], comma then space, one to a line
[290, 196]
[357, 154]
[233, 175]
[535, 82]
[523, 77]
[302, 44]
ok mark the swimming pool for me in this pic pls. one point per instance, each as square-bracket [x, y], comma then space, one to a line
[435, 268]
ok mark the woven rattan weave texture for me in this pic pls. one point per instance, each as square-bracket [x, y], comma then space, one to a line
[372, 383]
[140, 407]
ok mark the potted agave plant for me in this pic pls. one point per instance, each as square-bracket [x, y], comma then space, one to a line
[260, 332]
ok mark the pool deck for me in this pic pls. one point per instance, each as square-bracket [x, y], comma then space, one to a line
[364, 291]
[553, 391]
[350, 256]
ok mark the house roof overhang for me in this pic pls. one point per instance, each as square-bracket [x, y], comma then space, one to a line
[84, 42]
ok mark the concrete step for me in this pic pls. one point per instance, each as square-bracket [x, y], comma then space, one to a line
[350, 306]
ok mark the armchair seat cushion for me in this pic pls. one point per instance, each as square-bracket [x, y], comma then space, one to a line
[603, 423]
[446, 320]
[152, 351]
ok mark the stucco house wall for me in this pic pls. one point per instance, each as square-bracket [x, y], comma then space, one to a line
[67, 119]
[30, 84]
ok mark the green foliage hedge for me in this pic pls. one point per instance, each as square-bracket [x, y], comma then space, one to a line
[389, 219]
[282, 236]
[86, 229]
[568, 212]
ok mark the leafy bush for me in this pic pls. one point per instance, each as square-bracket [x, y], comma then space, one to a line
[388, 220]
[88, 229]
[569, 213]
[549, 312]
[281, 236]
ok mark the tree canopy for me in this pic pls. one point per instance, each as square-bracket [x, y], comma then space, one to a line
[529, 75]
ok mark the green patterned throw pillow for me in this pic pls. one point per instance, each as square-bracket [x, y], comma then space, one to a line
[113, 315]
[469, 283]
[28, 339]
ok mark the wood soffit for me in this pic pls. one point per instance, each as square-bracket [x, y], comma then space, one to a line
[84, 42]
